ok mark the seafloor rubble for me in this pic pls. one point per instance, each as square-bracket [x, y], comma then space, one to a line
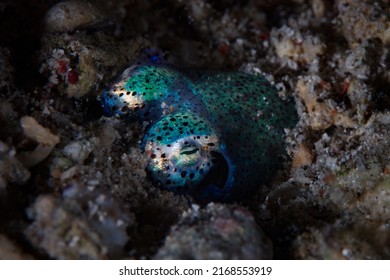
[73, 183]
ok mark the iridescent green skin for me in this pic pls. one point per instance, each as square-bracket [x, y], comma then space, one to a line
[242, 115]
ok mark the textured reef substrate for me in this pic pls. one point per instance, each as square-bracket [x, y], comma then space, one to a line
[73, 183]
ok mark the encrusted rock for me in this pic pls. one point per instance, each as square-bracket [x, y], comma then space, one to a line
[294, 48]
[11, 170]
[71, 15]
[216, 232]
[79, 63]
[79, 151]
[334, 244]
[10, 251]
[362, 20]
[322, 113]
[86, 225]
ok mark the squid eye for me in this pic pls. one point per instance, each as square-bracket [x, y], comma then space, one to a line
[189, 155]
[184, 163]
[189, 151]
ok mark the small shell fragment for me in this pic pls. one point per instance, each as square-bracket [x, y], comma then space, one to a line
[37, 132]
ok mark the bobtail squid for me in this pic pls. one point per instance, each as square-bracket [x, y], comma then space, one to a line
[215, 135]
